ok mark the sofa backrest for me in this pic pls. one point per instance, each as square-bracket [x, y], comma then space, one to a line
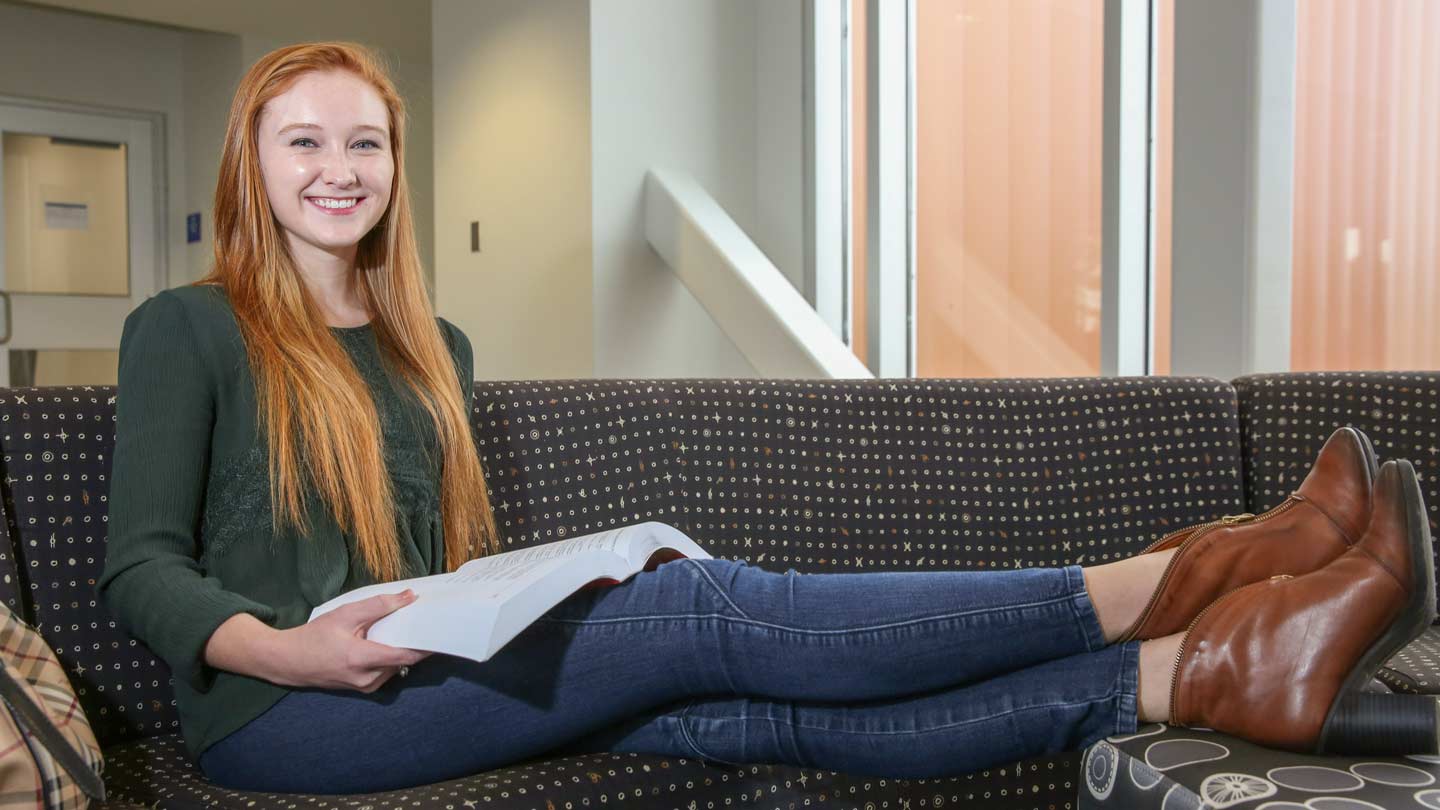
[10, 588]
[55, 447]
[814, 475]
[570, 457]
[1285, 418]
[848, 475]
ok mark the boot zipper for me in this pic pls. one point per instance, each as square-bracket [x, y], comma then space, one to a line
[1204, 529]
[1229, 520]
[1184, 640]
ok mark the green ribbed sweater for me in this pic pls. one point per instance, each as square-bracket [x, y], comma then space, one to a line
[190, 542]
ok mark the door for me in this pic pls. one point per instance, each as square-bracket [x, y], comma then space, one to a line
[80, 242]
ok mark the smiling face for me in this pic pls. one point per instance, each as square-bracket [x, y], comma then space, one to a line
[324, 148]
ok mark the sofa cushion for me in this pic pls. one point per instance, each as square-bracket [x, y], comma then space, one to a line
[57, 443]
[560, 457]
[846, 475]
[815, 475]
[1164, 768]
[156, 772]
[10, 578]
[1285, 418]
[1415, 669]
[570, 457]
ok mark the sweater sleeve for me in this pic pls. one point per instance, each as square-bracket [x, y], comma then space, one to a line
[152, 582]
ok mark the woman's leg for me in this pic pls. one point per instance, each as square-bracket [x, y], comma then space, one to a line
[688, 628]
[866, 636]
[1050, 707]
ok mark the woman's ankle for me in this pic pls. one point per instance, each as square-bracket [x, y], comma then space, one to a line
[1120, 590]
[1157, 674]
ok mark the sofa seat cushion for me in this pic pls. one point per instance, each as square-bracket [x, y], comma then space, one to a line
[155, 772]
[1183, 769]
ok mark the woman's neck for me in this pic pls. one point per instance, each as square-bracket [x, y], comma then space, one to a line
[329, 277]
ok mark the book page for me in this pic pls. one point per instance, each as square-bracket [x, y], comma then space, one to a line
[492, 576]
[646, 539]
[614, 540]
[483, 604]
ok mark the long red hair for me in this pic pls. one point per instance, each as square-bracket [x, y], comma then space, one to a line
[316, 412]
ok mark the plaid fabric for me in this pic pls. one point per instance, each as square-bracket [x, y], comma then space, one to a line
[49, 758]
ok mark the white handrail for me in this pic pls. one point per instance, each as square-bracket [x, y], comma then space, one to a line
[750, 299]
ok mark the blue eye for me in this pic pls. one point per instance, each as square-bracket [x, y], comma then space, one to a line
[311, 142]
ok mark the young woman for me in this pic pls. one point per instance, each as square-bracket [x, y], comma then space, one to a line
[295, 425]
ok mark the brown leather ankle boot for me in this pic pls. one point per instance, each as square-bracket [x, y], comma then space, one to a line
[1281, 662]
[1313, 526]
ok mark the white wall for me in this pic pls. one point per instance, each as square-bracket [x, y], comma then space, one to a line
[210, 69]
[711, 88]
[780, 137]
[672, 85]
[532, 98]
[512, 146]
[116, 64]
[548, 116]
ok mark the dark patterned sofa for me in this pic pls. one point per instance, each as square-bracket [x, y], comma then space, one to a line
[815, 475]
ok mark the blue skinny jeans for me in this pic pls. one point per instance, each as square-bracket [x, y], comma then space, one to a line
[897, 674]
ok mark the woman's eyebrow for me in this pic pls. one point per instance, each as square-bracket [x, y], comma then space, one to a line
[289, 127]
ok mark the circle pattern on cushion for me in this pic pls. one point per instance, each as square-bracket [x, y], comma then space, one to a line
[1249, 775]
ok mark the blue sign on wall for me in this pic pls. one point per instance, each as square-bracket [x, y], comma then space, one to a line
[192, 228]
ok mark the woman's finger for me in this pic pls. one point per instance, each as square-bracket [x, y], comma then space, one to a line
[379, 679]
[367, 611]
[372, 655]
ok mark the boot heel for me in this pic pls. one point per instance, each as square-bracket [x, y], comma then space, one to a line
[1369, 724]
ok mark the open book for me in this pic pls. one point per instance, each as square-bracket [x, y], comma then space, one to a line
[474, 610]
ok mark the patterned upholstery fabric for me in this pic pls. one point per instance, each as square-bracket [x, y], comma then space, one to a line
[568, 457]
[828, 475]
[56, 448]
[10, 587]
[1415, 669]
[1285, 418]
[1161, 768]
[814, 475]
[155, 771]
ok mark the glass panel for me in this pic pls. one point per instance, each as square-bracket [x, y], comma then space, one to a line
[1367, 186]
[1008, 151]
[1366, 261]
[30, 367]
[65, 216]
[859, 166]
[1164, 176]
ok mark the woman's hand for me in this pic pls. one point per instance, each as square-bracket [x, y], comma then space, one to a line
[330, 652]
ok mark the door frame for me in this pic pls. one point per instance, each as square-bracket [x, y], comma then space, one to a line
[145, 249]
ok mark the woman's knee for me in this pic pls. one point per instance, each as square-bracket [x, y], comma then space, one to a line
[719, 577]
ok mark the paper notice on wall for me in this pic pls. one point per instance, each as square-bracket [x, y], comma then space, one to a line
[67, 216]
